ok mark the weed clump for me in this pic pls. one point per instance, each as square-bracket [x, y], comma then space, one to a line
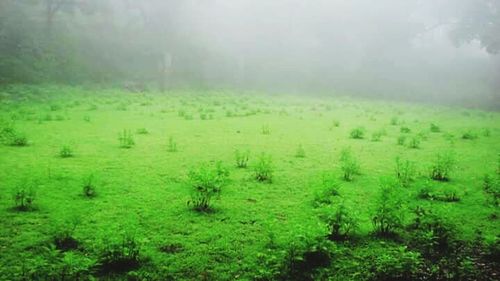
[264, 168]
[206, 182]
[348, 164]
[405, 171]
[357, 133]
[172, 145]
[266, 130]
[443, 166]
[120, 256]
[126, 139]
[66, 152]
[24, 196]
[241, 158]
[435, 128]
[388, 216]
[341, 223]
[329, 189]
[491, 187]
[63, 235]
[89, 188]
[300, 152]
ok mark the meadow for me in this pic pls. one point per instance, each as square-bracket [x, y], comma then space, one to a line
[110, 184]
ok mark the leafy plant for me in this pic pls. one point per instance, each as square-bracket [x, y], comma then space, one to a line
[329, 189]
[491, 187]
[469, 135]
[414, 142]
[443, 166]
[357, 133]
[120, 256]
[348, 164]
[66, 152]
[24, 195]
[377, 135]
[388, 216]
[264, 168]
[435, 128]
[142, 131]
[401, 140]
[206, 182]
[266, 130]
[405, 130]
[89, 189]
[126, 139]
[172, 145]
[242, 158]
[405, 171]
[63, 234]
[341, 222]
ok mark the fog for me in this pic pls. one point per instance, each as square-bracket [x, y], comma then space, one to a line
[422, 50]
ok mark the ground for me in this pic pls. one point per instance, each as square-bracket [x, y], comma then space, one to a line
[142, 191]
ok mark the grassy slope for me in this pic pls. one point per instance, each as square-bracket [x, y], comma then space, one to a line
[142, 188]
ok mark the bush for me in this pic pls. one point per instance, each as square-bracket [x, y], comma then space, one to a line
[469, 135]
[329, 189]
[18, 139]
[172, 145]
[388, 216]
[142, 131]
[242, 158]
[394, 121]
[435, 128]
[206, 182]
[414, 142]
[405, 171]
[341, 223]
[24, 195]
[89, 189]
[396, 264]
[491, 187]
[431, 234]
[300, 152]
[63, 235]
[377, 135]
[66, 151]
[443, 166]
[264, 168]
[348, 164]
[405, 130]
[126, 139]
[357, 133]
[120, 256]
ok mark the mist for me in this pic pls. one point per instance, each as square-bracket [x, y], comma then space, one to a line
[432, 51]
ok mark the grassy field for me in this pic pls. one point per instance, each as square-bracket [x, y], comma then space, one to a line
[104, 176]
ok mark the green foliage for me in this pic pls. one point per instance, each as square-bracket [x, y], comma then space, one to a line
[329, 189]
[396, 264]
[357, 133]
[24, 195]
[491, 187]
[126, 139]
[377, 135]
[341, 222]
[66, 152]
[206, 182]
[389, 214]
[435, 128]
[469, 135]
[120, 255]
[414, 142]
[405, 171]
[443, 166]
[89, 188]
[241, 158]
[405, 130]
[264, 168]
[266, 130]
[142, 131]
[63, 234]
[394, 121]
[348, 164]
[401, 140]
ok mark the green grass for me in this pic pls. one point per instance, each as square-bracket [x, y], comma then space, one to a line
[144, 189]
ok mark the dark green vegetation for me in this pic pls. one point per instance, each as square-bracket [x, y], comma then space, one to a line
[213, 186]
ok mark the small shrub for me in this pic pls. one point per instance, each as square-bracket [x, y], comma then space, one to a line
[341, 223]
[435, 128]
[348, 164]
[66, 152]
[63, 235]
[394, 121]
[126, 139]
[469, 135]
[443, 166]
[120, 256]
[241, 158]
[405, 130]
[329, 189]
[414, 142]
[388, 216]
[396, 264]
[405, 171]
[172, 145]
[491, 187]
[18, 139]
[377, 135]
[300, 152]
[24, 195]
[89, 189]
[357, 133]
[264, 168]
[206, 182]
[335, 124]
